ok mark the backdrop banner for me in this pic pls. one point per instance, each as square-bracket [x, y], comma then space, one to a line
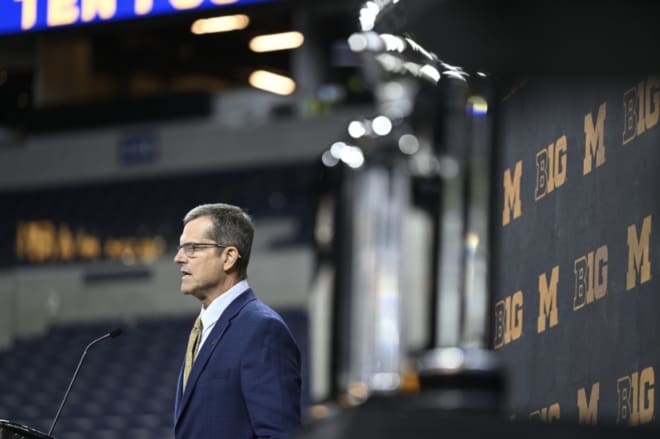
[575, 263]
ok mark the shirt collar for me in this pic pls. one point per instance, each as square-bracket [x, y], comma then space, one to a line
[212, 313]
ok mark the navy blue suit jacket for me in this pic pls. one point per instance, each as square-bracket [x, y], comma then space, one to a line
[245, 382]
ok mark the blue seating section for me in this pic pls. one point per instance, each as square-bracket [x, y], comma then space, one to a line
[125, 388]
[157, 205]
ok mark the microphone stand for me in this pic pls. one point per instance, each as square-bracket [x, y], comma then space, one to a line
[113, 333]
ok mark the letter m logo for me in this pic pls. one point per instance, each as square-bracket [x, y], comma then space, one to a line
[638, 254]
[548, 300]
[594, 145]
[588, 410]
[512, 203]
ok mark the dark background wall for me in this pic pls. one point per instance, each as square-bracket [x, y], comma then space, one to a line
[586, 151]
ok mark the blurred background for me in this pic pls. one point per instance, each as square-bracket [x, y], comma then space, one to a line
[431, 183]
[114, 122]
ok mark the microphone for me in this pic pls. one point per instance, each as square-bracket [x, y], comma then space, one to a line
[112, 334]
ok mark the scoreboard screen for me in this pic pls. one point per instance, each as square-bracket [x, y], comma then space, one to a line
[20, 16]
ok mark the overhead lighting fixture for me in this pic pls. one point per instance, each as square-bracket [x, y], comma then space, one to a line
[272, 82]
[224, 23]
[279, 41]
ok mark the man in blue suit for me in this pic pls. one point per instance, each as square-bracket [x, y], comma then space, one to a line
[241, 375]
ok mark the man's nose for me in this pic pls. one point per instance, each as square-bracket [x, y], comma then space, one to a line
[179, 257]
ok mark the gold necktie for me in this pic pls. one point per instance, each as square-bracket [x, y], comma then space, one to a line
[193, 344]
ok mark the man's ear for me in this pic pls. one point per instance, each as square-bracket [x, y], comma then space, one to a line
[230, 258]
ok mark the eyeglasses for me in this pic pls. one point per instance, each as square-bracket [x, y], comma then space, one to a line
[189, 248]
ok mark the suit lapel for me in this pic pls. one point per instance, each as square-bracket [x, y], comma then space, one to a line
[209, 345]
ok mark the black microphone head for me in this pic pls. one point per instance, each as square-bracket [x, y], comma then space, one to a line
[115, 332]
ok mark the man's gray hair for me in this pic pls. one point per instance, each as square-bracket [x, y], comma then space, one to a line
[231, 226]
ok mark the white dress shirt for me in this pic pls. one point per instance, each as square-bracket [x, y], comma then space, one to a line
[212, 313]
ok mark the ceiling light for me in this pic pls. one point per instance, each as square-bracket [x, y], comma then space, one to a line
[279, 41]
[224, 23]
[272, 82]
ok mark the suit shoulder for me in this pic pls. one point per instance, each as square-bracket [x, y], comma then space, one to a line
[259, 313]
[259, 309]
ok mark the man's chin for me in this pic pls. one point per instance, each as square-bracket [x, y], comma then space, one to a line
[188, 291]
